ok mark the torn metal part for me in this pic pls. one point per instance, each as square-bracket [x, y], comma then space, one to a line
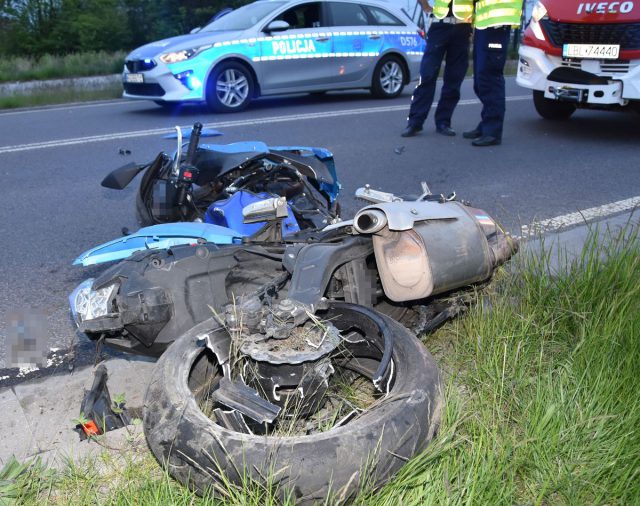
[98, 413]
[298, 388]
[375, 196]
[246, 400]
[231, 420]
[265, 210]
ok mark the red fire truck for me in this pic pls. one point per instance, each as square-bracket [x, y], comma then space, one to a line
[581, 54]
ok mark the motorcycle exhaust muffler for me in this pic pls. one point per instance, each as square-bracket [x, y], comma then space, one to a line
[370, 221]
[427, 248]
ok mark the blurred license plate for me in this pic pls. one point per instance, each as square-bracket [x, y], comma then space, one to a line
[134, 78]
[597, 51]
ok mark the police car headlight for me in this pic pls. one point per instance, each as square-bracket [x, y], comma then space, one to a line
[185, 54]
[87, 304]
[538, 13]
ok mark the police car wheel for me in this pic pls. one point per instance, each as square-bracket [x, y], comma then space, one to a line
[388, 78]
[552, 109]
[230, 88]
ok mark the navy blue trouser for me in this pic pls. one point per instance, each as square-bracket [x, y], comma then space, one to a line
[444, 42]
[489, 56]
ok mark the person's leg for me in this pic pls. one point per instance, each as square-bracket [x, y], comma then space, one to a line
[429, 68]
[456, 64]
[476, 132]
[491, 47]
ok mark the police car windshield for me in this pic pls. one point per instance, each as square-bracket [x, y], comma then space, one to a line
[243, 18]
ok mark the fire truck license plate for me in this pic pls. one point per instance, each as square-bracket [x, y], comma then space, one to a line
[596, 51]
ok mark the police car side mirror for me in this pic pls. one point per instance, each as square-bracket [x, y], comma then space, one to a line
[195, 30]
[277, 26]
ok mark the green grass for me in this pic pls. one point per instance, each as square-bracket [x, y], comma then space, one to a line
[543, 396]
[53, 67]
[542, 401]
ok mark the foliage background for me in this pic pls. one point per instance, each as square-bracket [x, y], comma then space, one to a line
[38, 27]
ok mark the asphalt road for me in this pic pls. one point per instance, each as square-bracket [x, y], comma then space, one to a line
[53, 159]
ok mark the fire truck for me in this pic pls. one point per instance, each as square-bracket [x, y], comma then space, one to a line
[577, 54]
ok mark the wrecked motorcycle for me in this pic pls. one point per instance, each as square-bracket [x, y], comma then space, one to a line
[197, 194]
[282, 364]
[144, 302]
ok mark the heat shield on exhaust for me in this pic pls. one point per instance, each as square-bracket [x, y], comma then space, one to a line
[439, 247]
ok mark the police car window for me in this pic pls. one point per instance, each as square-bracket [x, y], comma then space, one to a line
[344, 14]
[302, 16]
[382, 17]
[244, 17]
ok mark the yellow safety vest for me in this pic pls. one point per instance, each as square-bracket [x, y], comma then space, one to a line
[491, 13]
[462, 9]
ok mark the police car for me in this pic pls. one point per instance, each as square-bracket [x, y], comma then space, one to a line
[274, 47]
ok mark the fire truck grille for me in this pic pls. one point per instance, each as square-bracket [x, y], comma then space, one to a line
[625, 34]
[607, 67]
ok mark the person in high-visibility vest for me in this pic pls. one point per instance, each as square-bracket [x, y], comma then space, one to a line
[493, 20]
[448, 38]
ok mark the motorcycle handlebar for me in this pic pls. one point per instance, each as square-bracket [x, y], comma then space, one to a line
[193, 142]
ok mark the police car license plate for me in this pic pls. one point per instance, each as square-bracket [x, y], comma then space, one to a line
[134, 78]
[596, 51]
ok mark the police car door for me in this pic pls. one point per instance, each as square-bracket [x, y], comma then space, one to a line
[298, 58]
[356, 44]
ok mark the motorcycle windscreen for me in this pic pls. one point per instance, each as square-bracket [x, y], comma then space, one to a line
[161, 236]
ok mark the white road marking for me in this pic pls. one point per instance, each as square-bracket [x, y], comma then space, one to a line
[224, 124]
[564, 221]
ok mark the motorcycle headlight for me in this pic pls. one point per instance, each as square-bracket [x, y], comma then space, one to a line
[182, 55]
[538, 13]
[87, 304]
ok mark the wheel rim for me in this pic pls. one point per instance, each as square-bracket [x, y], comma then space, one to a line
[232, 88]
[360, 373]
[391, 77]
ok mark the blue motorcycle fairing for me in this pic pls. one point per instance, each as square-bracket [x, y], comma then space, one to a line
[186, 133]
[228, 213]
[160, 236]
[253, 147]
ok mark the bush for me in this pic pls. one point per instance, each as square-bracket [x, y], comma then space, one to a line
[90, 63]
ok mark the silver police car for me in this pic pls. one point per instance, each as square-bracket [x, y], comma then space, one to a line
[274, 47]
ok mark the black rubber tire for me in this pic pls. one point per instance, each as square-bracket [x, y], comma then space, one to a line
[215, 102]
[316, 465]
[380, 72]
[552, 109]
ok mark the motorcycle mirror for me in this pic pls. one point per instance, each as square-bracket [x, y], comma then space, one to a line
[265, 210]
[119, 179]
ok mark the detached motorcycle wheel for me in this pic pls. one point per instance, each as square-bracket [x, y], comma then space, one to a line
[366, 450]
